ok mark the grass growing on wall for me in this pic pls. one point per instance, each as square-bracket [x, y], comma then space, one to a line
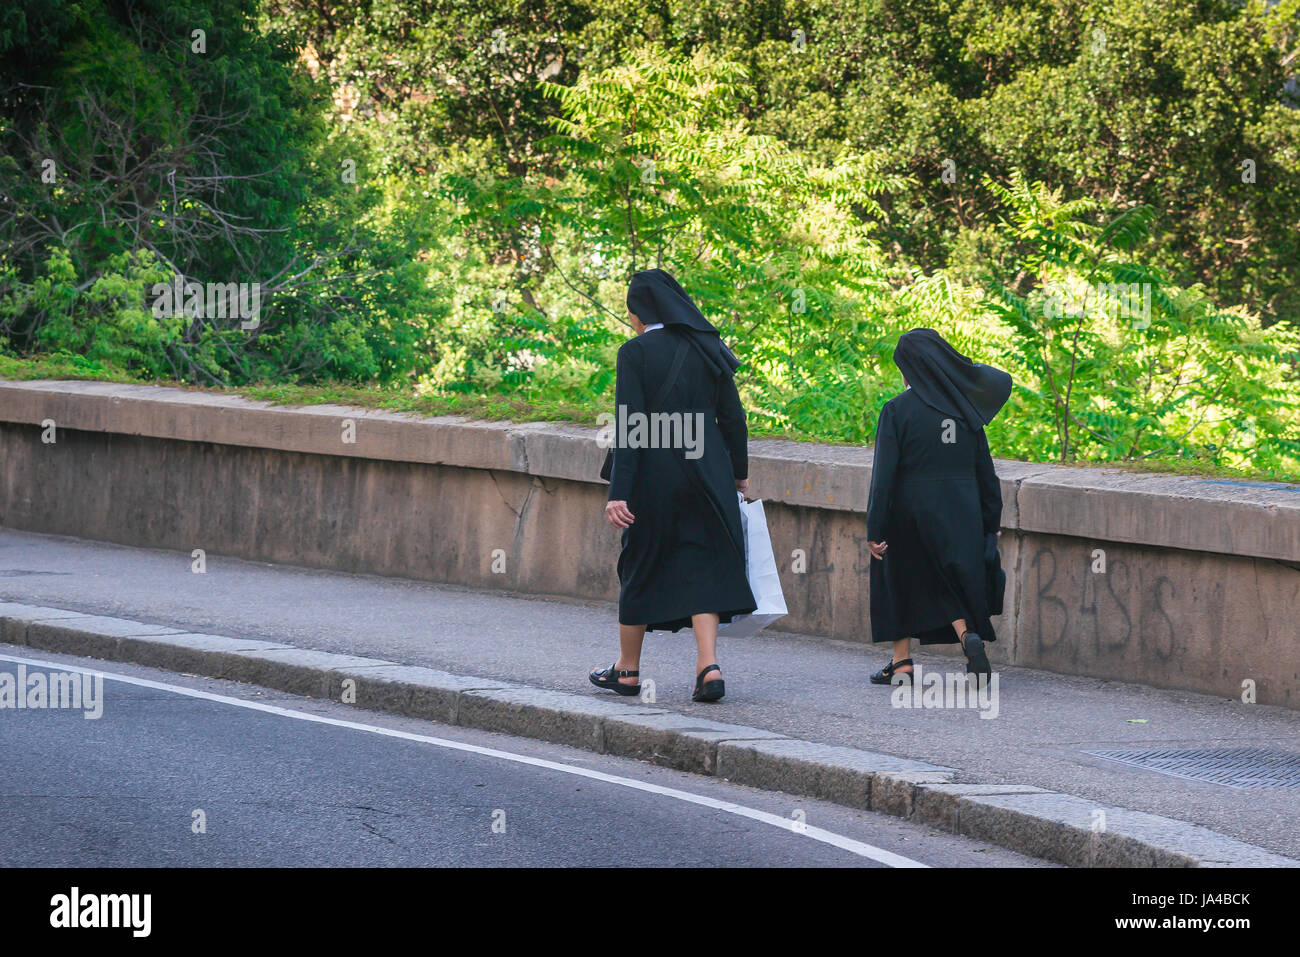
[504, 409]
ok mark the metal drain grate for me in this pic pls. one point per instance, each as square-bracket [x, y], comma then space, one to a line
[1247, 768]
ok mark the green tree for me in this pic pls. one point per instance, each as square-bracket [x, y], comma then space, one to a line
[662, 172]
[168, 139]
[1115, 361]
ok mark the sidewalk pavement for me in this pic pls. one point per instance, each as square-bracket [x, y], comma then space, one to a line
[805, 688]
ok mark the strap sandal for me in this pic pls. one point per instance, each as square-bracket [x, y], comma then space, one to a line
[977, 661]
[885, 676]
[709, 690]
[608, 678]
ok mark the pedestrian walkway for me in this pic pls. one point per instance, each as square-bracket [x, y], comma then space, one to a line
[810, 688]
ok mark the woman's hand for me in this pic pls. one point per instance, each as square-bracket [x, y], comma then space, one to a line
[618, 514]
[877, 549]
[742, 486]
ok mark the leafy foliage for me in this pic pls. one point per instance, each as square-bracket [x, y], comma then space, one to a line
[135, 151]
[1114, 360]
[1123, 363]
[1058, 186]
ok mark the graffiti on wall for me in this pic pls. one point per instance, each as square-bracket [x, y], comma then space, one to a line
[1071, 607]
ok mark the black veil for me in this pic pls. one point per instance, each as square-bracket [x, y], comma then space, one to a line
[949, 382]
[653, 295]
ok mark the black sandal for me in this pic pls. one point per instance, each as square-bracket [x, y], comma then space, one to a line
[885, 676]
[709, 690]
[608, 678]
[977, 661]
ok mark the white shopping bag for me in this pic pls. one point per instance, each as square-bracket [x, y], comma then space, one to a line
[760, 569]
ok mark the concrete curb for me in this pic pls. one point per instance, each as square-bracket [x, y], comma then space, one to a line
[1062, 828]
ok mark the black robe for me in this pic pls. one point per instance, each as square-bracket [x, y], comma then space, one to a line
[684, 553]
[935, 503]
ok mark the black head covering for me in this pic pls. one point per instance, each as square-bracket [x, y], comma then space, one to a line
[653, 295]
[949, 382]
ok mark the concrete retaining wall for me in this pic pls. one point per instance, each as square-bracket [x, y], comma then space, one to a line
[1172, 581]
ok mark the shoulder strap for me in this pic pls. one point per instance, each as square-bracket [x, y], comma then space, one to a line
[607, 467]
[678, 358]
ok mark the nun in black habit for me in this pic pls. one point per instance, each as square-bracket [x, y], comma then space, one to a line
[674, 483]
[935, 507]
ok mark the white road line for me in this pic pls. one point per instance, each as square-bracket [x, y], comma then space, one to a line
[862, 849]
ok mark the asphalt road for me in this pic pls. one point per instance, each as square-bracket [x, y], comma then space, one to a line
[187, 771]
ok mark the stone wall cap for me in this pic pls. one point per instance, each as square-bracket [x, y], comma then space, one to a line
[1257, 519]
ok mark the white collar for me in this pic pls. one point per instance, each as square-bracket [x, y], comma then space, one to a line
[657, 325]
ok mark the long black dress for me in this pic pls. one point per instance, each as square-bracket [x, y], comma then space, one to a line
[684, 553]
[934, 502]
